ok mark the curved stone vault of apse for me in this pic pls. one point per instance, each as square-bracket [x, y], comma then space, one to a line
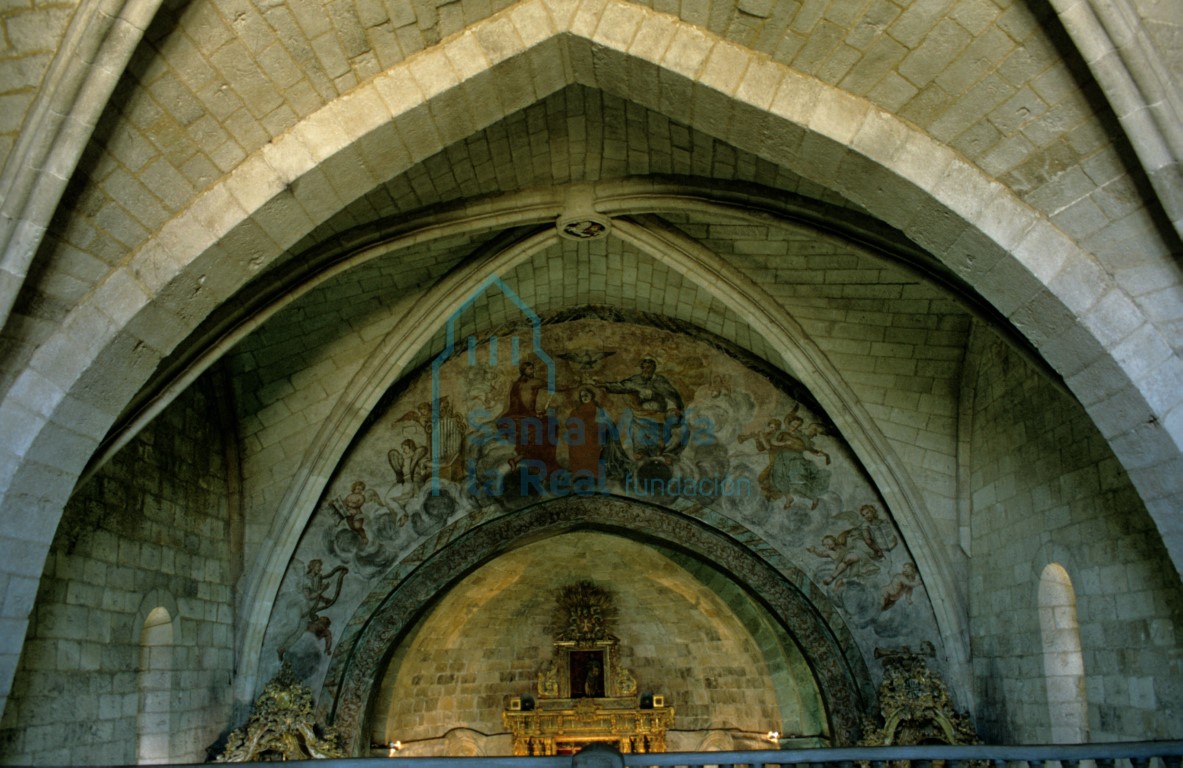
[685, 630]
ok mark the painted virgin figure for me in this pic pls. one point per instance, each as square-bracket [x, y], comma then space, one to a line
[593, 445]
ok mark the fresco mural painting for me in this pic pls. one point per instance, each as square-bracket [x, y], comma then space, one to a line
[633, 412]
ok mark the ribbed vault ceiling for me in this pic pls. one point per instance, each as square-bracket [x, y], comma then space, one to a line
[576, 136]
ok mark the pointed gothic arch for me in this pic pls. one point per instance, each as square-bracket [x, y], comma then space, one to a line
[212, 249]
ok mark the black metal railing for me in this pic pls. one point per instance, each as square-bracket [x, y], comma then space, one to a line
[1160, 754]
[1152, 754]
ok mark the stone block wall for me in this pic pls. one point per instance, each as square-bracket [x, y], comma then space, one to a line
[1048, 490]
[149, 531]
[896, 339]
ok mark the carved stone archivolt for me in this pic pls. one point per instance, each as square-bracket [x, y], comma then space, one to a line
[281, 726]
[843, 679]
[914, 705]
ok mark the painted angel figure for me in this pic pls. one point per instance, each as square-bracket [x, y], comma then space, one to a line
[798, 475]
[901, 586]
[876, 532]
[845, 557]
[412, 468]
[351, 508]
[316, 587]
[789, 474]
[452, 432]
[320, 591]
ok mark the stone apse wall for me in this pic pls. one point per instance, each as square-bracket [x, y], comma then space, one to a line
[1048, 492]
[717, 662]
[150, 532]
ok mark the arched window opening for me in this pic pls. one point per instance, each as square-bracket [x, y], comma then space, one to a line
[155, 688]
[1063, 661]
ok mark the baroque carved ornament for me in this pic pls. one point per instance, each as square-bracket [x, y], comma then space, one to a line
[281, 726]
[585, 613]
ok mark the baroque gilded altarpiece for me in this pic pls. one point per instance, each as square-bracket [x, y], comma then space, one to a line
[584, 694]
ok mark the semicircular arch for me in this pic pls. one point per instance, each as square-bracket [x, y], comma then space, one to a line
[843, 679]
